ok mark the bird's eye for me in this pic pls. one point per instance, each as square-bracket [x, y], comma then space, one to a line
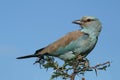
[88, 20]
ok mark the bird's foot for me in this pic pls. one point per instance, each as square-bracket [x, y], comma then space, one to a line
[79, 58]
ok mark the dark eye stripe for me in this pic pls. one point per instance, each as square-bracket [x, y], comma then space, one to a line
[88, 20]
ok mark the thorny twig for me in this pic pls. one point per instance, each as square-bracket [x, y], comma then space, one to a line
[70, 68]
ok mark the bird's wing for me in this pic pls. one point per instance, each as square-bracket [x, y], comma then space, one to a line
[67, 41]
[62, 42]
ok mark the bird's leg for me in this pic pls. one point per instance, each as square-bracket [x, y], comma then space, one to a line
[87, 65]
[79, 58]
[82, 64]
[82, 60]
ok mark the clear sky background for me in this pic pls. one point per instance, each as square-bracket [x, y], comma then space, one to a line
[27, 25]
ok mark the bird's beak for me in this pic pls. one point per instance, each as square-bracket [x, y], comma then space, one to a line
[77, 22]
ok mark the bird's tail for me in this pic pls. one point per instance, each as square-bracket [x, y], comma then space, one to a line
[27, 56]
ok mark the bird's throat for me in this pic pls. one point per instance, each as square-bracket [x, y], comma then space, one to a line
[91, 31]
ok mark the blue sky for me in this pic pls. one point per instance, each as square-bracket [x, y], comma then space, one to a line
[27, 25]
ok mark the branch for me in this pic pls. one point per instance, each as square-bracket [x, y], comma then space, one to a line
[70, 69]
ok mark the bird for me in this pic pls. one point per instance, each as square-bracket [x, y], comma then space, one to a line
[79, 42]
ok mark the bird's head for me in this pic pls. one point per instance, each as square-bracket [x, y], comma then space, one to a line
[89, 22]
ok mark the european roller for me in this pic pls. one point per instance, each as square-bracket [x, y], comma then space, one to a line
[80, 42]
